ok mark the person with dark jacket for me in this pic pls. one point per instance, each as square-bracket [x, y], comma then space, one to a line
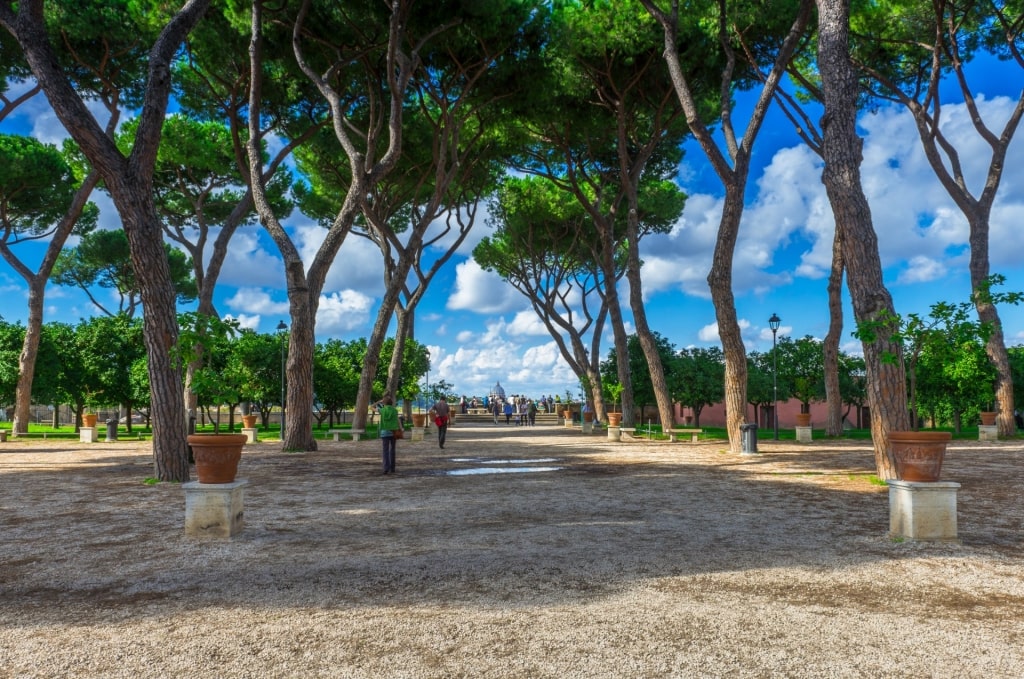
[442, 415]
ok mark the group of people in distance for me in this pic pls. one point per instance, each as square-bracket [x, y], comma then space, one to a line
[518, 408]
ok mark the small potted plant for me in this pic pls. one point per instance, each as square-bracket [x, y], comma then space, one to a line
[216, 455]
[615, 391]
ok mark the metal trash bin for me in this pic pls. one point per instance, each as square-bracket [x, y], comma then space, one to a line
[112, 429]
[748, 438]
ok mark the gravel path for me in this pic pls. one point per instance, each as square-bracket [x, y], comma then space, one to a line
[637, 559]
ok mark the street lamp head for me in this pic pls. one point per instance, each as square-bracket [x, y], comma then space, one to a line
[281, 326]
[774, 322]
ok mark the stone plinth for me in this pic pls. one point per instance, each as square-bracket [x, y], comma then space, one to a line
[418, 433]
[88, 435]
[250, 434]
[614, 433]
[588, 427]
[923, 511]
[803, 434]
[214, 509]
[988, 432]
[3, 436]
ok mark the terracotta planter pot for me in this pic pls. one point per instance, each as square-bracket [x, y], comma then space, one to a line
[803, 419]
[249, 421]
[419, 419]
[217, 456]
[614, 419]
[919, 454]
[588, 416]
[987, 418]
[89, 420]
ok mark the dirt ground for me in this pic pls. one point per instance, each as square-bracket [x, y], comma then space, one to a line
[638, 559]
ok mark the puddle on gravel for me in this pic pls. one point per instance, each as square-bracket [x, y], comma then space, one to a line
[499, 470]
[487, 467]
[480, 460]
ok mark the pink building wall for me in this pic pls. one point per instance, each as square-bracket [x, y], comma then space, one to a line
[714, 416]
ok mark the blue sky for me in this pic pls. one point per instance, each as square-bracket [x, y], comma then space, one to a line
[480, 331]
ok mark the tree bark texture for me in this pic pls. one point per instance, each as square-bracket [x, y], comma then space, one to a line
[988, 313]
[833, 396]
[886, 382]
[729, 332]
[643, 328]
[27, 359]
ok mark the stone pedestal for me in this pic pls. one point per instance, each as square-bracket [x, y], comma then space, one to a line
[250, 434]
[3, 436]
[923, 511]
[988, 432]
[614, 433]
[214, 509]
[803, 434]
[88, 435]
[418, 433]
[588, 427]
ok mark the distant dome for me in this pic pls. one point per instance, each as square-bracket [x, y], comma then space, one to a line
[497, 391]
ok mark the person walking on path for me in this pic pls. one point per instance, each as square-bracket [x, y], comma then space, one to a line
[508, 412]
[389, 424]
[442, 414]
[495, 410]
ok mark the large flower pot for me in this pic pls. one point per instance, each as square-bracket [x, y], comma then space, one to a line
[249, 421]
[919, 454]
[89, 420]
[987, 418]
[614, 419]
[217, 456]
[803, 419]
[419, 420]
[588, 416]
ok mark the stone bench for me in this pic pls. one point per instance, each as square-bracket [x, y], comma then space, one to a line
[479, 411]
[355, 433]
[630, 432]
[674, 434]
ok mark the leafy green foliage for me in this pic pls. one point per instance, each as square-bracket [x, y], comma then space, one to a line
[696, 378]
[206, 343]
[801, 365]
[103, 259]
[36, 188]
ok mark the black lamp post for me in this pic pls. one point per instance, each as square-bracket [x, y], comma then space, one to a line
[773, 323]
[281, 327]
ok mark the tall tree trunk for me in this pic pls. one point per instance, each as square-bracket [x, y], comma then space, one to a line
[159, 325]
[27, 359]
[643, 329]
[621, 347]
[403, 331]
[833, 395]
[729, 332]
[841, 149]
[376, 341]
[987, 313]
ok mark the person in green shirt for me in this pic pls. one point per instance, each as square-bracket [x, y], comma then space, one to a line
[389, 423]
